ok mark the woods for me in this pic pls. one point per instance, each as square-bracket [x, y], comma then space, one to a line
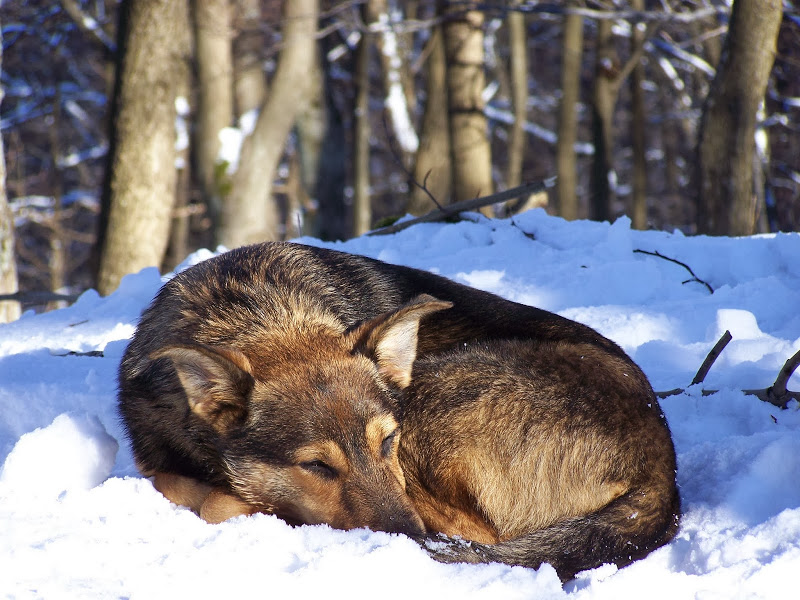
[137, 131]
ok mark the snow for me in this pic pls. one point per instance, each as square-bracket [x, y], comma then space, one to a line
[77, 521]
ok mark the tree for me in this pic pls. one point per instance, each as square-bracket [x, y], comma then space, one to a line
[214, 61]
[471, 157]
[9, 311]
[726, 204]
[638, 208]
[571, 54]
[362, 202]
[153, 55]
[249, 213]
[604, 97]
[517, 41]
[432, 165]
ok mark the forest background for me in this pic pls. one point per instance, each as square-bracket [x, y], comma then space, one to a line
[136, 131]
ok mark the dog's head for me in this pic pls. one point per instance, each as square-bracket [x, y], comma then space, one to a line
[307, 427]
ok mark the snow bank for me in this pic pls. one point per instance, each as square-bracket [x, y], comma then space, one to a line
[76, 520]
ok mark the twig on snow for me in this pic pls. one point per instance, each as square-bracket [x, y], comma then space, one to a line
[677, 262]
[712, 357]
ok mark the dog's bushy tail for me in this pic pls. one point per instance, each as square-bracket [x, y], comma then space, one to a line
[623, 531]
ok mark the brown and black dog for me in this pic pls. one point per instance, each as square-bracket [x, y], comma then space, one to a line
[325, 387]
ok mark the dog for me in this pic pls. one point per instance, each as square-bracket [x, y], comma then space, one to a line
[325, 387]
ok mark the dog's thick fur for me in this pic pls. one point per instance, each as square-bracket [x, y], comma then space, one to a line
[326, 387]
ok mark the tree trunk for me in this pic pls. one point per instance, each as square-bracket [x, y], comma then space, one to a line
[9, 311]
[726, 203]
[376, 14]
[312, 127]
[639, 200]
[142, 163]
[213, 57]
[362, 207]
[250, 84]
[334, 219]
[568, 115]
[469, 140]
[250, 214]
[432, 168]
[518, 50]
[603, 100]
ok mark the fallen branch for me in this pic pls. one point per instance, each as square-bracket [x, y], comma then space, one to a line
[677, 262]
[712, 357]
[452, 210]
[39, 297]
[776, 394]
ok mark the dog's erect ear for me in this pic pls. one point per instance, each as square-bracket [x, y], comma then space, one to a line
[216, 381]
[391, 339]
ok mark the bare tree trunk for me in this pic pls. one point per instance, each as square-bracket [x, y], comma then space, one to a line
[568, 115]
[178, 247]
[9, 311]
[726, 203]
[432, 167]
[392, 67]
[469, 140]
[312, 126]
[213, 56]
[250, 213]
[335, 213]
[250, 84]
[142, 181]
[603, 100]
[362, 206]
[639, 200]
[57, 262]
[518, 51]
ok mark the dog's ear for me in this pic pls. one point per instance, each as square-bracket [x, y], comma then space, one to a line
[217, 381]
[391, 339]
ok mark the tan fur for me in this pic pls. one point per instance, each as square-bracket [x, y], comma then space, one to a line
[184, 491]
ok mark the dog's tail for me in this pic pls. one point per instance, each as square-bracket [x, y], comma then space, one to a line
[621, 532]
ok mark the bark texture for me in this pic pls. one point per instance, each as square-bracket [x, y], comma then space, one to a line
[9, 311]
[517, 41]
[568, 115]
[250, 213]
[143, 177]
[432, 167]
[214, 60]
[726, 203]
[469, 141]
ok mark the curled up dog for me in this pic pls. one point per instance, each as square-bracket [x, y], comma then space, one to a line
[324, 387]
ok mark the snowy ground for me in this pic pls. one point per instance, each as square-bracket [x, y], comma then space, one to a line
[76, 521]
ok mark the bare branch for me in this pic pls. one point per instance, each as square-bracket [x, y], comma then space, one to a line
[677, 262]
[776, 394]
[468, 205]
[34, 297]
[88, 24]
[712, 357]
[635, 16]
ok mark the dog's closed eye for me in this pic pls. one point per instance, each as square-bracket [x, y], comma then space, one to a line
[388, 444]
[320, 469]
